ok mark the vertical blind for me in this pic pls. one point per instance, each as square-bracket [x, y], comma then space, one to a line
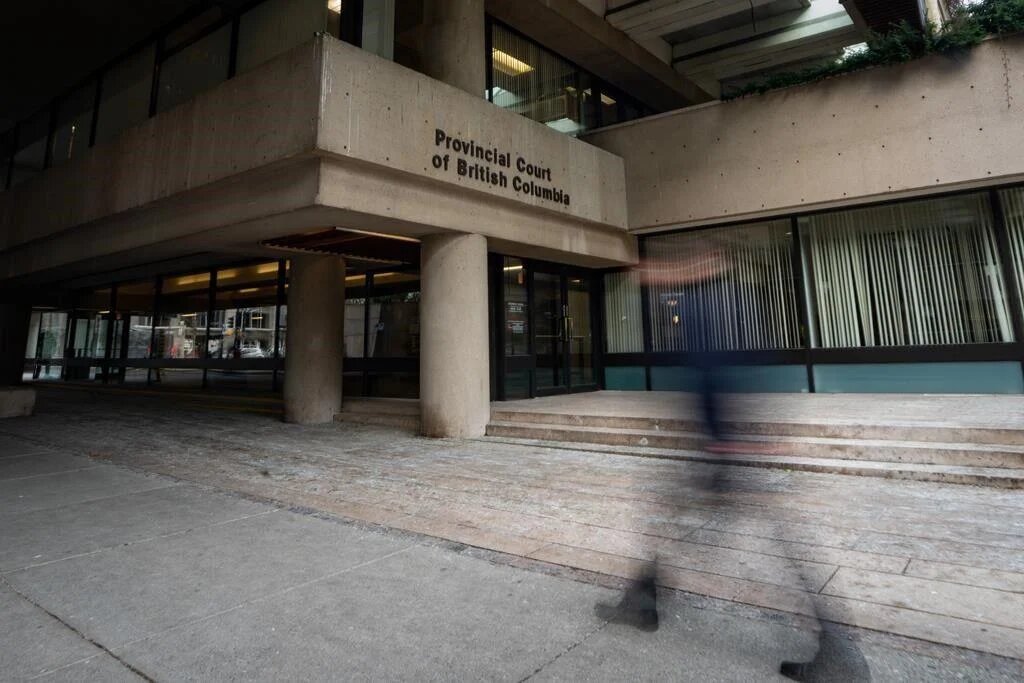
[531, 81]
[918, 273]
[751, 305]
[622, 312]
[1013, 210]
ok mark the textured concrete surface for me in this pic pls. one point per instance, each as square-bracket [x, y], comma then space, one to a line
[315, 339]
[454, 30]
[16, 401]
[932, 125]
[455, 373]
[181, 581]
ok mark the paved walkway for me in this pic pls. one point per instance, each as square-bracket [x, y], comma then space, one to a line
[940, 563]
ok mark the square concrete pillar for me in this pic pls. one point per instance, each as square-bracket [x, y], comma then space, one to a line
[14, 324]
[315, 339]
[455, 388]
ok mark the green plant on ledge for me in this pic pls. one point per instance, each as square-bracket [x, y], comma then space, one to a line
[969, 24]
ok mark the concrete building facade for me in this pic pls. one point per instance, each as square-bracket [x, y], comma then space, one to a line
[446, 200]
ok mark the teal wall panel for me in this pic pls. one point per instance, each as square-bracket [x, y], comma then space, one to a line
[739, 379]
[921, 378]
[673, 379]
[625, 379]
[765, 379]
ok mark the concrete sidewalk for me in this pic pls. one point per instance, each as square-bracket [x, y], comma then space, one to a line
[181, 581]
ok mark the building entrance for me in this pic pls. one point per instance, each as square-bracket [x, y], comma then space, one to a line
[562, 333]
[544, 329]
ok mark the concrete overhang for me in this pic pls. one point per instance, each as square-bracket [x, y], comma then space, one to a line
[880, 15]
[581, 36]
[325, 135]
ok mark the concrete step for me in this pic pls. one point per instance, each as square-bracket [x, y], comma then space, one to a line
[995, 477]
[390, 412]
[893, 451]
[834, 429]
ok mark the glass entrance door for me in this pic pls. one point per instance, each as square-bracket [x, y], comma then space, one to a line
[562, 328]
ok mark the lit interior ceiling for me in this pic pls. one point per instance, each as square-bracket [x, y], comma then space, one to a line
[722, 43]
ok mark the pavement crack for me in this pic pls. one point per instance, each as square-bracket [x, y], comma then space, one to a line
[563, 653]
[98, 645]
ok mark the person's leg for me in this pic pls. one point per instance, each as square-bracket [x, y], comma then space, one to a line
[639, 604]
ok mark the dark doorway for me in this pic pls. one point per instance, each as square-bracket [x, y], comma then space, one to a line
[544, 329]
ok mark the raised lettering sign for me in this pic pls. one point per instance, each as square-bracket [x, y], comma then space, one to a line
[488, 166]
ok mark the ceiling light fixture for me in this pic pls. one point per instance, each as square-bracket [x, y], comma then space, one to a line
[509, 65]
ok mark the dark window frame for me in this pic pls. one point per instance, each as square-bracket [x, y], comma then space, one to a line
[809, 355]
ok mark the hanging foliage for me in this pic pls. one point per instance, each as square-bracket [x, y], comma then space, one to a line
[968, 26]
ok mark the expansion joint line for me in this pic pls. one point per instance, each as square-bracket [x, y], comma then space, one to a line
[100, 646]
[563, 652]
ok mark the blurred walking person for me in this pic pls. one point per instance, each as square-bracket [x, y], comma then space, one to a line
[701, 277]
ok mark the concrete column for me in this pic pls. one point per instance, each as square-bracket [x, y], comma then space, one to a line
[14, 323]
[455, 387]
[454, 45]
[315, 339]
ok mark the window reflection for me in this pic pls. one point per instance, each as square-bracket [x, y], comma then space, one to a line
[538, 84]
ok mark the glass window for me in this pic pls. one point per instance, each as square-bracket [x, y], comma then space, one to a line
[276, 26]
[30, 150]
[723, 289]
[1013, 210]
[46, 342]
[623, 313]
[916, 273]
[125, 94]
[517, 313]
[537, 83]
[135, 305]
[609, 107]
[378, 29]
[196, 68]
[529, 80]
[92, 315]
[394, 319]
[190, 31]
[6, 151]
[181, 325]
[409, 33]
[74, 123]
[245, 313]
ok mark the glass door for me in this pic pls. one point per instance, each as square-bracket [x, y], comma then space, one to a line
[549, 333]
[563, 339]
[579, 338]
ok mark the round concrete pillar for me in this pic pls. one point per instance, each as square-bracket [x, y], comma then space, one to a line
[455, 387]
[454, 44]
[315, 339]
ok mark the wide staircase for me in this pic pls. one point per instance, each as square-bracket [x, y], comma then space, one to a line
[963, 440]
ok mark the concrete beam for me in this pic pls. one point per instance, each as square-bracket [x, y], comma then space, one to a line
[585, 38]
[308, 140]
[928, 126]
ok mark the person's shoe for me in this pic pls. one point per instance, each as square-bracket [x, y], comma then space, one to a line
[638, 607]
[837, 659]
